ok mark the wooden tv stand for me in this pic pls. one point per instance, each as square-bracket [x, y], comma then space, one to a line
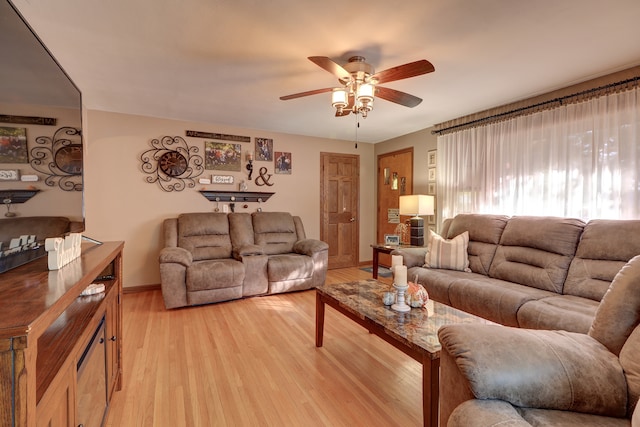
[46, 330]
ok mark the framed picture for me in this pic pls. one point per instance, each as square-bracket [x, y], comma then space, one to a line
[13, 145]
[431, 188]
[432, 158]
[391, 239]
[283, 162]
[432, 174]
[9, 175]
[264, 149]
[222, 156]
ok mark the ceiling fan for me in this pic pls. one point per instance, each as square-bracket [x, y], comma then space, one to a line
[359, 84]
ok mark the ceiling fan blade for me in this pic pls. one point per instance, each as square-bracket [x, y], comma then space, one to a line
[310, 92]
[327, 64]
[397, 97]
[405, 71]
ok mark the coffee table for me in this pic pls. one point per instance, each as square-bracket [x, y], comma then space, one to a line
[414, 332]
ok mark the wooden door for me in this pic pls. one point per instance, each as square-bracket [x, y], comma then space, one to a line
[339, 196]
[395, 179]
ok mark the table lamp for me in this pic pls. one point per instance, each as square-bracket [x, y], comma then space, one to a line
[416, 205]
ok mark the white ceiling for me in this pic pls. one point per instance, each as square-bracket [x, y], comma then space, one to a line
[227, 62]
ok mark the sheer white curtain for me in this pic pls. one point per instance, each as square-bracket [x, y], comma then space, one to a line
[579, 160]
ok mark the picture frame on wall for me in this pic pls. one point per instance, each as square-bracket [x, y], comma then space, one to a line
[431, 174]
[222, 156]
[431, 188]
[432, 158]
[264, 149]
[282, 162]
[13, 145]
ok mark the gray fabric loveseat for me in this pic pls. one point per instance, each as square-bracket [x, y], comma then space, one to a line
[529, 272]
[212, 257]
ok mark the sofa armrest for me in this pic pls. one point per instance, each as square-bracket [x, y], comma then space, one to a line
[484, 413]
[176, 255]
[247, 250]
[537, 368]
[309, 246]
[411, 257]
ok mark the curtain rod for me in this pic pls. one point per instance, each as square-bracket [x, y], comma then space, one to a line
[558, 100]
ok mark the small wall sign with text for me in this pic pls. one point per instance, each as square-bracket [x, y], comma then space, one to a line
[222, 179]
[9, 175]
[27, 120]
[220, 136]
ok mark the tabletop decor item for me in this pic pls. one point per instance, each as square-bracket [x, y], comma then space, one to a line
[400, 283]
[416, 295]
[388, 297]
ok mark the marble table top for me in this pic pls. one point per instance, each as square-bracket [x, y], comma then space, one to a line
[417, 328]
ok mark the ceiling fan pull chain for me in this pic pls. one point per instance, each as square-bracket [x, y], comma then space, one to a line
[357, 127]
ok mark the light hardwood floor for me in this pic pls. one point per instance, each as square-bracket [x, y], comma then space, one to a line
[253, 362]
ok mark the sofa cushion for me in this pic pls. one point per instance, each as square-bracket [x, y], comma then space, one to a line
[537, 251]
[274, 231]
[205, 235]
[493, 299]
[448, 254]
[484, 235]
[437, 282]
[214, 274]
[566, 312]
[619, 311]
[631, 364]
[289, 267]
[604, 248]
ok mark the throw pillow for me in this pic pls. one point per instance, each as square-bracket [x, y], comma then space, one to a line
[448, 254]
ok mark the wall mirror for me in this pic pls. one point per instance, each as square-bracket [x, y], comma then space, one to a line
[40, 130]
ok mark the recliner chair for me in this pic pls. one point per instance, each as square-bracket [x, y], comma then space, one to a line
[503, 376]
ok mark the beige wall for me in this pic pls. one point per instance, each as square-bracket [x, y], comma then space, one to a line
[120, 205]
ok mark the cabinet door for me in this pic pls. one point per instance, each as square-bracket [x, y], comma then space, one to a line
[57, 406]
[113, 344]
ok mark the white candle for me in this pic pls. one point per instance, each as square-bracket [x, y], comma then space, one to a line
[400, 275]
[396, 260]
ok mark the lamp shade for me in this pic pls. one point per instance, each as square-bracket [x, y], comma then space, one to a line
[339, 98]
[416, 204]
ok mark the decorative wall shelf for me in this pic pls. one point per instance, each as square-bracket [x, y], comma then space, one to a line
[236, 196]
[17, 196]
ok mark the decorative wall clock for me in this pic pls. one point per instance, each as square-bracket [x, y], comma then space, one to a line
[172, 163]
[60, 158]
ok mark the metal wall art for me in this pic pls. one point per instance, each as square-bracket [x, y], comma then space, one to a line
[60, 158]
[172, 163]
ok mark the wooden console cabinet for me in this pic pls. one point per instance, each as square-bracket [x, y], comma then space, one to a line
[45, 330]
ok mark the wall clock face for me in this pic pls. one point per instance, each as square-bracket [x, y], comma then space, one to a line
[69, 159]
[173, 163]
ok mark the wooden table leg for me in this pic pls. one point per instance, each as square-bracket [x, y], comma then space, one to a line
[430, 390]
[319, 320]
[376, 254]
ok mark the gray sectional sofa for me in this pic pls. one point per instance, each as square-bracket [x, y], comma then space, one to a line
[210, 257]
[530, 272]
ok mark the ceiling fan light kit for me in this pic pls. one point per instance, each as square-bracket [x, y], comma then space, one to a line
[359, 84]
